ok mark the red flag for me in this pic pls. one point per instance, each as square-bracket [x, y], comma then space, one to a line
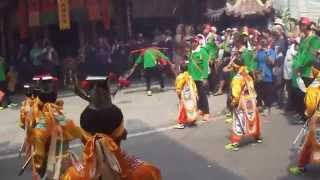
[34, 13]
[23, 19]
[48, 5]
[93, 10]
[106, 14]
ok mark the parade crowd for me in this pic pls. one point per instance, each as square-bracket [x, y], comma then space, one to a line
[256, 68]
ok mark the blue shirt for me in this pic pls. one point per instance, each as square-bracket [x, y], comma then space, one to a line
[263, 66]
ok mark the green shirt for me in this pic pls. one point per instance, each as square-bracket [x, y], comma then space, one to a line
[212, 49]
[249, 60]
[198, 65]
[149, 58]
[306, 56]
[2, 70]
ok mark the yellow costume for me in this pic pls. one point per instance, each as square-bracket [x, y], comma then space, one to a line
[187, 91]
[246, 120]
[238, 82]
[50, 140]
[29, 112]
[309, 152]
[182, 79]
[312, 97]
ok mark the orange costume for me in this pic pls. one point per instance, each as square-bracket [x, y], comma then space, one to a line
[50, 141]
[104, 159]
[246, 116]
[48, 133]
[309, 152]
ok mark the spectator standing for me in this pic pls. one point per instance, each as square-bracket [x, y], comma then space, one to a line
[179, 47]
[198, 67]
[24, 66]
[49, 59]
[280, 45]
[5, 100]
[287, 72]
[266, 58]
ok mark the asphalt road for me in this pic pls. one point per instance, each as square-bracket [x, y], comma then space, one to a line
[191, 154]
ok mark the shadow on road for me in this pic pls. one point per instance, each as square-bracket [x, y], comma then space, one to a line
[175, 159]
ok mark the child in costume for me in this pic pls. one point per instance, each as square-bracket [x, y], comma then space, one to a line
[103, 156]
[187, 92]
[246, 120]
[50, 135]
[309, 149]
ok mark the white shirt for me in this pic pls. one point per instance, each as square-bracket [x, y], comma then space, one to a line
[287, 66]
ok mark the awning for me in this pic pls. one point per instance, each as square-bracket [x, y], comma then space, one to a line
[243, 8]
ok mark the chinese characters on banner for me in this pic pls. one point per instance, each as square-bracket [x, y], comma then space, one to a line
[64, 14]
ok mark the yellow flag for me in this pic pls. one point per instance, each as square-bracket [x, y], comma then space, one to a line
[64, 14]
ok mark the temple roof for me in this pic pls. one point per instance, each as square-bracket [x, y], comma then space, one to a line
[244, 8]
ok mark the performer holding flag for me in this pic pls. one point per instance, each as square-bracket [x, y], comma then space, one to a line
[246, 120]
[309, 146]
[152, 59]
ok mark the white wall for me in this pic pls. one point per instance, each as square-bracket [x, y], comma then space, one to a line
[300, 8]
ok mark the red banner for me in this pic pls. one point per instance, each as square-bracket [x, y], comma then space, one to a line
[34, 13]
[48, 5]
[106, 14]
[93, 10]
[23, 19]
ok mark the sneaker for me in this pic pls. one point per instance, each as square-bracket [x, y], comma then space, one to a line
[296, 170]
[206, 117]
[232, 147]
[266, 112]
[298, 120]
[12, 105]
[229, 115]
[179, 126]
[259, 140]
[200, 113]
[228, 120]
[149, 93]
